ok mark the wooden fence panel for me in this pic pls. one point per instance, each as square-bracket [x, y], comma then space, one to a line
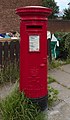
[6, 48]
[17, 49]
[0, 53]
[12, 51]
[9, 51]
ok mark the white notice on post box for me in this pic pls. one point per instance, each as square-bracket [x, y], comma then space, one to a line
[34, 43]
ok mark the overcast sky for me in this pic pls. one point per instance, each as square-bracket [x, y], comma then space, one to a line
[62, 4]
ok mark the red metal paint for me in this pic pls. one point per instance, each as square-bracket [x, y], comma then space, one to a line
[33, 63]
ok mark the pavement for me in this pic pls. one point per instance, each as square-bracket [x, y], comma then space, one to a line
[6, 89]
[61, 111]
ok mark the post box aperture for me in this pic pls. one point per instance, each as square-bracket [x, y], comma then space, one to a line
[33, 53]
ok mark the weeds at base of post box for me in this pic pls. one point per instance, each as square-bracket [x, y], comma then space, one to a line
[52, 95]
[17, 107]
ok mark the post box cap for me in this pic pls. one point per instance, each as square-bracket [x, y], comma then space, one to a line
[33, 10]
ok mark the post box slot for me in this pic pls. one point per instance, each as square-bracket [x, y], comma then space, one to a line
[34, 27]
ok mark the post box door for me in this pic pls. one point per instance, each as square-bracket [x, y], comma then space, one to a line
[34, 64]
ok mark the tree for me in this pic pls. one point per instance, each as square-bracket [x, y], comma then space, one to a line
[66, 14]
[53, 5]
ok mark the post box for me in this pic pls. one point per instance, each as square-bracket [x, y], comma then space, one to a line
[33, 53]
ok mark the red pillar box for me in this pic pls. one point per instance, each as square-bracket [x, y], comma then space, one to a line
[33, 53]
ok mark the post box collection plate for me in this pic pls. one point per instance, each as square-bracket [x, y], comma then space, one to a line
[34, 43]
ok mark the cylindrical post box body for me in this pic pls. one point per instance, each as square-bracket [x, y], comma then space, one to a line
[33, 52]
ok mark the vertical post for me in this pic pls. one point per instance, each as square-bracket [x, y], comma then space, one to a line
[6, 51]
[17, 50]
[0, 53]
[12, 51]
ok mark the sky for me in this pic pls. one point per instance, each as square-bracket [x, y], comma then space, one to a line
[62, 4]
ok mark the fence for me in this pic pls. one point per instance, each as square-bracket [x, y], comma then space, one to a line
[9, 51]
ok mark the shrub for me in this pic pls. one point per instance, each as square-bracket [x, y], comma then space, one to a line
[64, 44]
[67, 44]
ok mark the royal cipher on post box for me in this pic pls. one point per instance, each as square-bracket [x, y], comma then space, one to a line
[33, 53]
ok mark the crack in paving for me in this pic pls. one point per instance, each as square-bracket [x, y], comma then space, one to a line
[64, 71]
[61, 84]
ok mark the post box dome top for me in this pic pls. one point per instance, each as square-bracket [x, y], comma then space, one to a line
[33, 10]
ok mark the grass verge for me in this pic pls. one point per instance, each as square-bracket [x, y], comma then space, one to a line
[52, 96]
[18, 107]
[52, 93]
[9, 73]
[50, 79]
[58, 63]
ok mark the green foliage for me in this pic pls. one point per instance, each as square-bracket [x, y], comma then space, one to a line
[66, 15]
[53, 5]
[50, 79]
[40, 116]
[9, 73]
[52, 95]
[56, 64]
[67, 44]
[64, 44]
[18, 107]
[67, 61]
[59, 34]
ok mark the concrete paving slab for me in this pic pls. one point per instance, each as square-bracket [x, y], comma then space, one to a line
[61, 77]
[6, 89]
[56, 115]
[58, 106]
[60, 112]
[66, 68]
[67, 100]
[65, 110]
[64, 93]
